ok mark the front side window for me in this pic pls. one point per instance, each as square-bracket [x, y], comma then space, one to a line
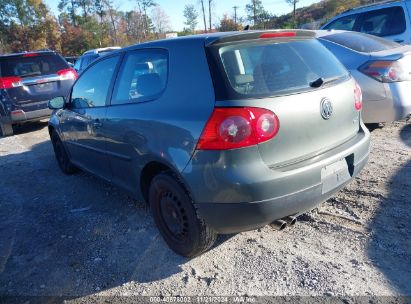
[91, 89]
[143, 76]
[345, 23]
[263, 69]
[384, 22]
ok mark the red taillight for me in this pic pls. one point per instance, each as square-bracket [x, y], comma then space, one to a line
[357, 97]
[67, 74]
[386, 71]
[10, 82]
[278, 35]
[232, 128]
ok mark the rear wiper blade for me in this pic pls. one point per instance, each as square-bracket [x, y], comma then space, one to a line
[321, 81]
[317, 83]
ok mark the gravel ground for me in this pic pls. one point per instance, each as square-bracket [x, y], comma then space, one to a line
[78, 237]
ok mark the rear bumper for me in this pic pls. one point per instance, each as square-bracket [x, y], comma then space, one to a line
[235, 193]
[384, 111]
[22, 116]
[396, 105]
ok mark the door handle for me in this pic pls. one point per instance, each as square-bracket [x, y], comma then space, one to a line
[97, 123]
[399, 40]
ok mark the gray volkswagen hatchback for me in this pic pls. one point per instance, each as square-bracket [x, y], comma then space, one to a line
[219, 133]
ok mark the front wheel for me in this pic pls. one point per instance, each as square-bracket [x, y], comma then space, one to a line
[62, 157]
[176, 217]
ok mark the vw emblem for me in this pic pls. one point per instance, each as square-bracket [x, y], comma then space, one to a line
[326, 108]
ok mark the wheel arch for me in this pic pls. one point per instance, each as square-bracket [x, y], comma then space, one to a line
[153, 168]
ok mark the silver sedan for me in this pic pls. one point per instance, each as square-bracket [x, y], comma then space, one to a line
[381, 67]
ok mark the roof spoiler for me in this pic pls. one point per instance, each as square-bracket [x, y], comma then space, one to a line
[254, 35]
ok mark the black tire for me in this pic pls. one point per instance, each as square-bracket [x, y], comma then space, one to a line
[6, 129]
[176, 218]
[62, 157]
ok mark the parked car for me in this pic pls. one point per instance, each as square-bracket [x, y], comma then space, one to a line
[381, 67]
[88, 57]
[388, 19]
[219, 133]
[27, 82]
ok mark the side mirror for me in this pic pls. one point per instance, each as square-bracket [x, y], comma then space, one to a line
[56, 103]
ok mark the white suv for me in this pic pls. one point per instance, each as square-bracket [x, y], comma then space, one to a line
[388, 19]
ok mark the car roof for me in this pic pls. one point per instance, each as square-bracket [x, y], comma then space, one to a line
[100, 50]
[325, 33]
[371, 5]
[364, 8]
[26, 53]
[212, 38]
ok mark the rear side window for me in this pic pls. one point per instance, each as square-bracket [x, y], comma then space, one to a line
[383, 22]
[34, 65]
[262, 69]
[345, 23]
[361, 42]
[143, 76]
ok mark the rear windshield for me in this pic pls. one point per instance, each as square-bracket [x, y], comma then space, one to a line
[262, 69]
[361, 42]
[44, 64]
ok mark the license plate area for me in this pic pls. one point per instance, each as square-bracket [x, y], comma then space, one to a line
[44, 87]
[334, 175]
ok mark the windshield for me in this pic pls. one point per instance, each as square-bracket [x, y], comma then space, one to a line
[267, 68]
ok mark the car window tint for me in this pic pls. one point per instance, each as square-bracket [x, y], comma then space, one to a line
[92, 87]
[266, 69]
[361, 42]
[143, 76]
[88, 60]
[36, 65]
[384, 22]
[345, 23]
[77, 65]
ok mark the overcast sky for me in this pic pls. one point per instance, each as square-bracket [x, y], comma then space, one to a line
[174, 9]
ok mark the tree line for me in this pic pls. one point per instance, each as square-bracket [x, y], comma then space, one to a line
[86, 24]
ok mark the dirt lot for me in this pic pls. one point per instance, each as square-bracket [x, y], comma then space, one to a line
[77, 236]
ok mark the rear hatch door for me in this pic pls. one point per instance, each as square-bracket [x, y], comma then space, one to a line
[38, 79]
[296, 78]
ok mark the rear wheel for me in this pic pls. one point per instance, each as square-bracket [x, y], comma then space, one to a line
[6, 129]
[176, 217]
[62, 157]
